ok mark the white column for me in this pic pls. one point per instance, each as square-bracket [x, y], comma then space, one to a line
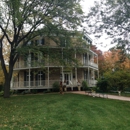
[88, 77]
[29, 62]
[87, 58]
[62, 75]
[88, 68]
[48, 77]
[29, 79]
[98, 67]
[75, 54]
[76, 75]
[62, 68]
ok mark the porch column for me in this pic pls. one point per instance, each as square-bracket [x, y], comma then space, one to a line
[76, 76]
[62, 68]
[98, 67]
[88, 59]
[97, 59]
[48, 77]
[29, 79]
[75, 54]
[62, 74]
[29, 68]
[88, 67]
[93, 78]
[88, 77]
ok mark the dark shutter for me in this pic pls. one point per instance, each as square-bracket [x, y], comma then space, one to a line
[36, 78]
[43, 41]
[31, 75]
[25, 73]
[43, 78]
[36, 57]
[32, 78]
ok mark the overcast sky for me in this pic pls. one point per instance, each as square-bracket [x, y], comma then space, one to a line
[86, 5]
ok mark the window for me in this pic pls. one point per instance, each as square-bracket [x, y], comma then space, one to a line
[40, 78]
[62, 42]
[28, 76]
[85, 59]
[40, 42]
[29, 43]
[85, 75]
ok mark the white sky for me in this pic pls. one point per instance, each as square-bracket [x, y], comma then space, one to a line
[86, 5]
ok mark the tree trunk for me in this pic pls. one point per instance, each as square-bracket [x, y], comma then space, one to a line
[7, 88]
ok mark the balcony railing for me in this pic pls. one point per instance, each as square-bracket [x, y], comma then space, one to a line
[92, 83]
[40, 84]
[25, 64]
[90, 63]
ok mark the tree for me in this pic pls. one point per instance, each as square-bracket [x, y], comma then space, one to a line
[118, 80]
[115, 60]
[1, 76]
[22, 21]
[111, 17]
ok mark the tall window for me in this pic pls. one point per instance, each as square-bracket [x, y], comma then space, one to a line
[29, 60]
[85, 58]
[62, 42]
[26, 78]
[39, 42]
[85, 75]
[40, 78]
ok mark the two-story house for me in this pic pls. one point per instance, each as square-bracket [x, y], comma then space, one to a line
[40, 71]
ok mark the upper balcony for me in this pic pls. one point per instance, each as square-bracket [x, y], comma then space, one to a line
[91, 64]
[36, 64]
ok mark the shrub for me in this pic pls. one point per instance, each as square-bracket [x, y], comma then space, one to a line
[11, 92]
[102, 85]
[85, 85]
[34, 91]
[1, 93]
[1, 87]
[56, 86]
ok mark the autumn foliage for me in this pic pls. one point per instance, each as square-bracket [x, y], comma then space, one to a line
[114, 67]
[116, 60]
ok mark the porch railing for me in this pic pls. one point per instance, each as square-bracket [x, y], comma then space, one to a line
[45, 84]
[90, 63]
[92, 83]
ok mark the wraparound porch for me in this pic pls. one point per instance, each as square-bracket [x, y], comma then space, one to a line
[44, 84]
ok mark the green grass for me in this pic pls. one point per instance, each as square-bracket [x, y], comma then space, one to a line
[63, 112]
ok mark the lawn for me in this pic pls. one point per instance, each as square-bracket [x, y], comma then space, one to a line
[63, 112]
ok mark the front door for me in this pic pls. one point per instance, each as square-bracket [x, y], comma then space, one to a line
[67, 78]
[40, 78]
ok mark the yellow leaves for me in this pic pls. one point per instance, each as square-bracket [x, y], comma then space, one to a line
[1, 76]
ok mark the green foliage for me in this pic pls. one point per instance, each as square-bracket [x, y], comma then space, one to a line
[102, 85]
[56, 86]
[119, 80]
[1, 93]
[84, 85]
[1, 87]
[12, 92]
[34, 91]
